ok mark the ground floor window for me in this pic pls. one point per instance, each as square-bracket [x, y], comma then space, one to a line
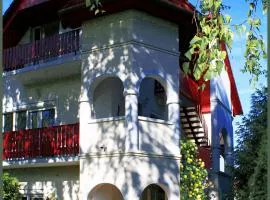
[33, 197]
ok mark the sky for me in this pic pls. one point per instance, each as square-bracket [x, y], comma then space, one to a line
[238, 12]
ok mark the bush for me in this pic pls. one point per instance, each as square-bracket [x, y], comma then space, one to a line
[11, 188]
[193, 175]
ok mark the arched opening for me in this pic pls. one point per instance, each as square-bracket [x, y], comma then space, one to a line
[154, 192]
[105, 191]
[226, 148]
[221, 155]
[152, 99]
[108, 99]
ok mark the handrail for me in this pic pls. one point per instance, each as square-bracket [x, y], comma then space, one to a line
[41, 142]
[203, 121]
[41, 50]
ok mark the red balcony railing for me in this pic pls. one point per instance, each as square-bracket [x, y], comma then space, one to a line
[41, 50]
[41, 142]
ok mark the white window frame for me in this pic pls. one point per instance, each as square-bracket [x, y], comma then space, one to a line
[30, 107]
[39, 116]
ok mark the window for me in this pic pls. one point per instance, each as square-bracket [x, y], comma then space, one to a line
[41, 118]
[33, 197]
[33, 119]
[8, 122]
[47, 118]
[21, 120]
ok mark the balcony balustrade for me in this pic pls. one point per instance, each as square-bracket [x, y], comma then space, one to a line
[43, 50]
[41, 142]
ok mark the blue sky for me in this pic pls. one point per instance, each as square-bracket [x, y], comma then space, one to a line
[238, 13]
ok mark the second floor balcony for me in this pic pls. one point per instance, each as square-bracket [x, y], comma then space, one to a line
[55, 141]
[42, 50]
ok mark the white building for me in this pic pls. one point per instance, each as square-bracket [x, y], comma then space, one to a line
[94, 105]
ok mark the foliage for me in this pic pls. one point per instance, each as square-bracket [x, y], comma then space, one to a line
[205, 54]
[11, 188]
[250, 153]
[214, 29]
[255, 48]
[192, 172]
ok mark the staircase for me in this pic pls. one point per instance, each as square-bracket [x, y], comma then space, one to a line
[194, 126]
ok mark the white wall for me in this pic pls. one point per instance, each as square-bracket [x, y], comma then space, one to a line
[61, 181]
[220, 89]
[130, 45]
[61, 94]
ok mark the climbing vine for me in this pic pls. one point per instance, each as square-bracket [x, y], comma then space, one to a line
[193, 175]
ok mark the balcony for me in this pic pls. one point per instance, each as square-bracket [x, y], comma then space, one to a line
[37, 143]
[41, 50]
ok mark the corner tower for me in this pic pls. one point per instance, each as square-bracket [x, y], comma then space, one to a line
[129, 108]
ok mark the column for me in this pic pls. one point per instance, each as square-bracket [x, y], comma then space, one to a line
[174, 118]
[131, 120]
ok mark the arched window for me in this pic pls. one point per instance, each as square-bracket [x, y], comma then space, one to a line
[153, 192]
[105, 191]
[108, 99]
[152, 99]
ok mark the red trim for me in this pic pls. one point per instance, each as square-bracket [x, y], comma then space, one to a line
[41, 142]
[205, 99]
[236, 103]
[15, 7]
[205, 155]
[189, 88]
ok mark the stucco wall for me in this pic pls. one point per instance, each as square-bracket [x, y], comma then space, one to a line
[220, 89]
[129, 26]
[61, 181]
[157, 136]
[131, 174]
[103, 136]
[61, 94]
[130, 45]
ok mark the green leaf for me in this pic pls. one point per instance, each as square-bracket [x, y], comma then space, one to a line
[88, 3]
[188, 54]
[223, 55]
[186, 67]
[195, 39]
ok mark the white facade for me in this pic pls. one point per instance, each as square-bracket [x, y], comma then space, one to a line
[129, 132]
[128, 151]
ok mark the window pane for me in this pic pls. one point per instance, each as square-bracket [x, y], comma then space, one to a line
[8, 122]
[34, 119]
[21, 120]
[48, 118]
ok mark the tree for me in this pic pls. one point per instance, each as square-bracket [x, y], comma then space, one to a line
[213, 30]
[250, 153]
[11, 188]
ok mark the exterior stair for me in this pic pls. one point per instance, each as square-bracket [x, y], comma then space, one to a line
[194, 126]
